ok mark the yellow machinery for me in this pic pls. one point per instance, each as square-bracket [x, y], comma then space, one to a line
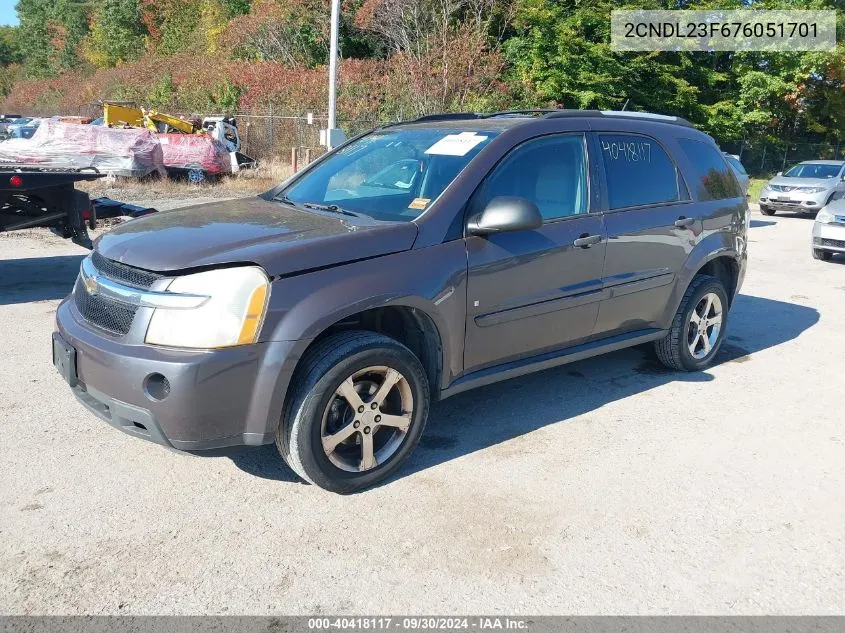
[170, 123]
[221, 128]
[122, 115]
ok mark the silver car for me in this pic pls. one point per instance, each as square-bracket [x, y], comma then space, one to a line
[805, 188]
[829, 230]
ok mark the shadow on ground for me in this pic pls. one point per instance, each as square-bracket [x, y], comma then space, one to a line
[484, 417]
[37, 278]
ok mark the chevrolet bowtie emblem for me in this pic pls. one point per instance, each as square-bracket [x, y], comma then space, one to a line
[91, 285]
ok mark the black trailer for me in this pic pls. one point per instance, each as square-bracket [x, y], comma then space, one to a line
[32, 196]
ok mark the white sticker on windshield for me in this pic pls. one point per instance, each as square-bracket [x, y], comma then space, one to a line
[456, 144]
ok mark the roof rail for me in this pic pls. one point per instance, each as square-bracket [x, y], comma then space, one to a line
[447, 116]
[548, 113]
[661, 118]
[519, 112]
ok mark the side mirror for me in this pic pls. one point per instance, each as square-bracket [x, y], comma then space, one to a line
[504, 214]
[780, 173]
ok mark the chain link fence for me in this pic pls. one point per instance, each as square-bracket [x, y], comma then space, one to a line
[267, 134]
[272, 133]
[763, 160]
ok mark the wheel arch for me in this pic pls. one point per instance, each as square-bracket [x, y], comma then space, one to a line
[724, 263]
[407, 321]
[408, 324]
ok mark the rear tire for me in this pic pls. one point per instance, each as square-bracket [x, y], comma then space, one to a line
[698, 328]
[823, 255]
[766, 210]
[358, 406]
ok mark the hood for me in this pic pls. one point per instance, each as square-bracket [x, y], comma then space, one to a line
[783, 181]
[276, 236]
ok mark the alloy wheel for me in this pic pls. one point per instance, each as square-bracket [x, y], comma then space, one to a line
[367, 419]
[704, 325]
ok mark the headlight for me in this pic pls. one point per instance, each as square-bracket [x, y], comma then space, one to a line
[813, 189]
[232, 315]
[824, 216]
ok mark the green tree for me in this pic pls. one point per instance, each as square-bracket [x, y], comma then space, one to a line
[117, 33]
[70, 22]
[10, 50]
[163, 92]
[180, 21]
[237, 7]
[34, 41]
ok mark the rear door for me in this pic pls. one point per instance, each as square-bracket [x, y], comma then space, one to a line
[533, 291]
[652, 226]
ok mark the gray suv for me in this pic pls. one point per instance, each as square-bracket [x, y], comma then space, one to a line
[412, 263]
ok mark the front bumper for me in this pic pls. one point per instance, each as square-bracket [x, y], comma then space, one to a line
[829, 237]
[795, 201]
[216, 398]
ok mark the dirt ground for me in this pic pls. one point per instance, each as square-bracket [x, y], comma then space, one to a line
[608, 486]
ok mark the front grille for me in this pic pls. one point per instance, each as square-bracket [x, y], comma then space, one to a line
[123, 273]
[112, 316]
[832, 243]
[788, 188]
[107, 314]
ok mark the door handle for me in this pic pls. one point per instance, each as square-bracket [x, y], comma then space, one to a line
[586, 240]
[683, 222]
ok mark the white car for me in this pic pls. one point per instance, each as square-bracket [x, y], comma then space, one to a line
[805, 188]
[829, 230]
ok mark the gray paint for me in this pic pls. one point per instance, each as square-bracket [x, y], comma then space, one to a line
[502, 304]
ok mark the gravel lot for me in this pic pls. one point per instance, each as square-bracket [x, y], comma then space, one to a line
[606, 486]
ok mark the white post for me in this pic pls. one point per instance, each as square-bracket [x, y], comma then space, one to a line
[333, 71]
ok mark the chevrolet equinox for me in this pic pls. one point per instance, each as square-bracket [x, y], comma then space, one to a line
[413, 262]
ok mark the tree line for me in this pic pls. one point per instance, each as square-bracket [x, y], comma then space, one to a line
[405, 58]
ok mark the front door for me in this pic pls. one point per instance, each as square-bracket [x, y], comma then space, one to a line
[530, 292]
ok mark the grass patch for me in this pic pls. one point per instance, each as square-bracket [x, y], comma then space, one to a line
[267, 175]
[754, 188]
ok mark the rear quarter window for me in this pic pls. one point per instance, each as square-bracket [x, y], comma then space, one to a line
[638, 171]
[712, 179]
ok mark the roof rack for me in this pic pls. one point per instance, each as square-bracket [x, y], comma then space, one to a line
[506, 113]
[547, 113]
[447, 116]
[622, 114]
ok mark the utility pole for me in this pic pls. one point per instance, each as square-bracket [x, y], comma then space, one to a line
[333, 74]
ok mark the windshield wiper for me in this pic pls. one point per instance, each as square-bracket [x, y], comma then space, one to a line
[286, 200]
[333, 208]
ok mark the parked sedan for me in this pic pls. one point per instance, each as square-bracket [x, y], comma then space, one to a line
[24, 127]
[805, 188]
[829, 230]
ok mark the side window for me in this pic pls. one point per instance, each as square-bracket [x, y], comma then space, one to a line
[550, 171]
[712, 178]
[638, 171]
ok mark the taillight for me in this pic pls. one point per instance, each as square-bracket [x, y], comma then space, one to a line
[16, 181]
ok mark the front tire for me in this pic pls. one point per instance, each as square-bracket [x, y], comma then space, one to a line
[766, 210]
[358, 406]
[698, 328]
[823, 255]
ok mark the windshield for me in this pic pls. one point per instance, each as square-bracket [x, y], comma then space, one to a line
[813, 170]
[393, 174]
